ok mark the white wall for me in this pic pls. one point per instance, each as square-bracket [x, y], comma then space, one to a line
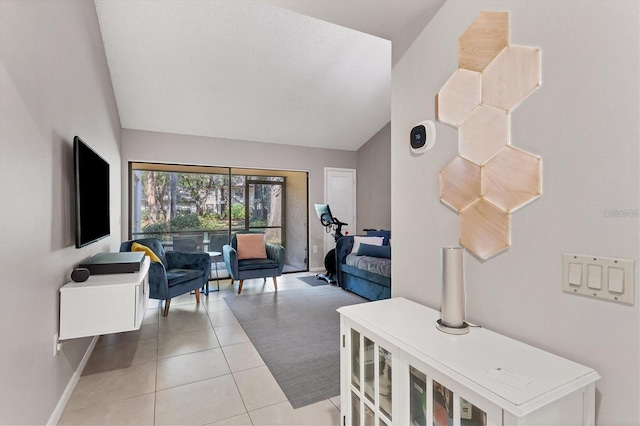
[54, 84]
[374, 182]
[140, 145]
[583, 122]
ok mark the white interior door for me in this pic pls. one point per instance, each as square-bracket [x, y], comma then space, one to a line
[340, 194]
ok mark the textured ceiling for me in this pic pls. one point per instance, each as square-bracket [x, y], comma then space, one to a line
[251, 70]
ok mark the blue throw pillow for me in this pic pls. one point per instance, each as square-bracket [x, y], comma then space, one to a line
[374, 251]
[386, 235]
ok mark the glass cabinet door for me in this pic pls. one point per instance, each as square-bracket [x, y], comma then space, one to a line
[369, 416]
[384, 381]
[417, 397]
[470, 415]
[355, 409]
[442, 405]
[370, 382]
[355, 358]
[369, 368]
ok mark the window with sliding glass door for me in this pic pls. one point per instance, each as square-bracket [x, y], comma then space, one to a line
[200, 208]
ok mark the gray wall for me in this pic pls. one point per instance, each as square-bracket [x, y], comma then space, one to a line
[180, 149]
[374, 182]
[54, 84]
[583, 122]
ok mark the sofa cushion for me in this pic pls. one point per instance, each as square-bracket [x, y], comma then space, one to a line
[177, 276]
[357, 240]
[154, 244]
[146, 250]
[252, 264]
[251, 246]
[374, 265]
[374, 251]
[381, 233]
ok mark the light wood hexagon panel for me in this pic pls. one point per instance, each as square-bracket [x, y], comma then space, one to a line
[511, 77]
[512, 179]
[459, 96]
[483, 134]
[460, 183]
[489, 179]
[487, 35]
[484, 229]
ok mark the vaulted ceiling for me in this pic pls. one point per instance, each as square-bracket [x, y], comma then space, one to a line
[313, 73]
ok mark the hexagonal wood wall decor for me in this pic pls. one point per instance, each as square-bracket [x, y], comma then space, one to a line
[512, 179]
[487, 35]
[459, 96]
[507, 178]
[484, 229]
[483, 134]
[460, 183]
[511, 77]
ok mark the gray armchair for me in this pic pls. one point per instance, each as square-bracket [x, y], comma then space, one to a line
[253, 268]
[176, 273]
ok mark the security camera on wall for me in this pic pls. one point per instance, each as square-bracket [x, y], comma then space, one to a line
[423, 137]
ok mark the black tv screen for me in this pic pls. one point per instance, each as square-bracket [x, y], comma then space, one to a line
[91, 174]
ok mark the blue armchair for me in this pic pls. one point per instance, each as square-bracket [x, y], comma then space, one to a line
[176, 273]
[253, 268]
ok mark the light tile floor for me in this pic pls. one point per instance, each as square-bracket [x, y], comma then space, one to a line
[194, 367]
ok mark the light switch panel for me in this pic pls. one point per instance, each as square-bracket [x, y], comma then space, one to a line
[607, 278]
[594, 277]
[575, 274]
[616, 280]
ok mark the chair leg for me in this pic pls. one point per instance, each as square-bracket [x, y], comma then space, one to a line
[165, 312]
[275, 283]
[197, 295]
[240, 286]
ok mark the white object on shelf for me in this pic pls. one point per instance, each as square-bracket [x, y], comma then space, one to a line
[109, 303]
[453, 299]
[506, 381]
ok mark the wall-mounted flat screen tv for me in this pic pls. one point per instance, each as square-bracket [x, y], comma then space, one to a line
[91, 174]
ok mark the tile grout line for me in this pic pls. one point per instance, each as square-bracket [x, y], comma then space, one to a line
[249, 369]
[155, 386]
[231, 372]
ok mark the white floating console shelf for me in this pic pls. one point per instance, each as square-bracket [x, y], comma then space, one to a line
[108, 303]
[398, 369]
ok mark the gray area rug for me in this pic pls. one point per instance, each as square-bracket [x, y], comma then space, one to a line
[313, 281]
[297, 334]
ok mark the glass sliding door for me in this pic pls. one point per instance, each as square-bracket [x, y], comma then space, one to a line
[237, 219]
[180, 207]
[265, 207]
[200, 208]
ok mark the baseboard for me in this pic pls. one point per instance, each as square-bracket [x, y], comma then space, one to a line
[66, 395]
[317, 270]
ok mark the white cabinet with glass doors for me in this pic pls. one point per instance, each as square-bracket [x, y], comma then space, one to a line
[398, 369]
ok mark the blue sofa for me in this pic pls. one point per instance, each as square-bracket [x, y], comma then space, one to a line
[176, 273]
[364, 282]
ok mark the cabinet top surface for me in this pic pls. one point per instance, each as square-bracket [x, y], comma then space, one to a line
[512, 374]
[131, 278]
